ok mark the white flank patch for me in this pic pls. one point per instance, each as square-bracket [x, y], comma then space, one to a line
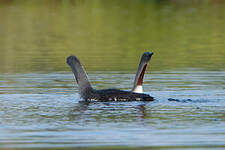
[138, 89]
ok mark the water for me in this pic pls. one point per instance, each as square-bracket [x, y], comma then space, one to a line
[44, 110]
[39, 103]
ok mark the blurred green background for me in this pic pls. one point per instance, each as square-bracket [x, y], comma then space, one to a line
[110, 35]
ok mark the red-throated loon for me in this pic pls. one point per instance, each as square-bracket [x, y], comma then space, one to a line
[88, 93]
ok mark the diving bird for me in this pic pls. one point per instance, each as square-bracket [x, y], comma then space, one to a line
[90, 94]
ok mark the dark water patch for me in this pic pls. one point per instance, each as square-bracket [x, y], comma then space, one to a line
[178, 100]
[190, 100]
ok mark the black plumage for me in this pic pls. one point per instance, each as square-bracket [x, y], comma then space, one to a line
[88, 93]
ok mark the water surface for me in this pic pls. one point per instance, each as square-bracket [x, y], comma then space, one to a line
[44, 110]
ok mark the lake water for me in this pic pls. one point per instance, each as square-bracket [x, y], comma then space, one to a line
[39, 103]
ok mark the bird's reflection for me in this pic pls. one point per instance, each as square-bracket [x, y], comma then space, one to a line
[121, 109]
[142, 110]
[76, 112]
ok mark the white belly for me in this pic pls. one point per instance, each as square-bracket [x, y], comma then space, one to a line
[138, 89]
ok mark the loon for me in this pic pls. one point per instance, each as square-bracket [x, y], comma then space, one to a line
[90, 94]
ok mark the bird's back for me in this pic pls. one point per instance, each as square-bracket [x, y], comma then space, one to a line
[118, 95]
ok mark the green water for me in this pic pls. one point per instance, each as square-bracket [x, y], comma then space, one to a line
[111, 35]
[39, 103]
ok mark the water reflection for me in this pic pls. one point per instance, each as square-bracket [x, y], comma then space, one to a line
[107, 111]
[78, 110]
[142, 110]
[181, 34]
[34, 107]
